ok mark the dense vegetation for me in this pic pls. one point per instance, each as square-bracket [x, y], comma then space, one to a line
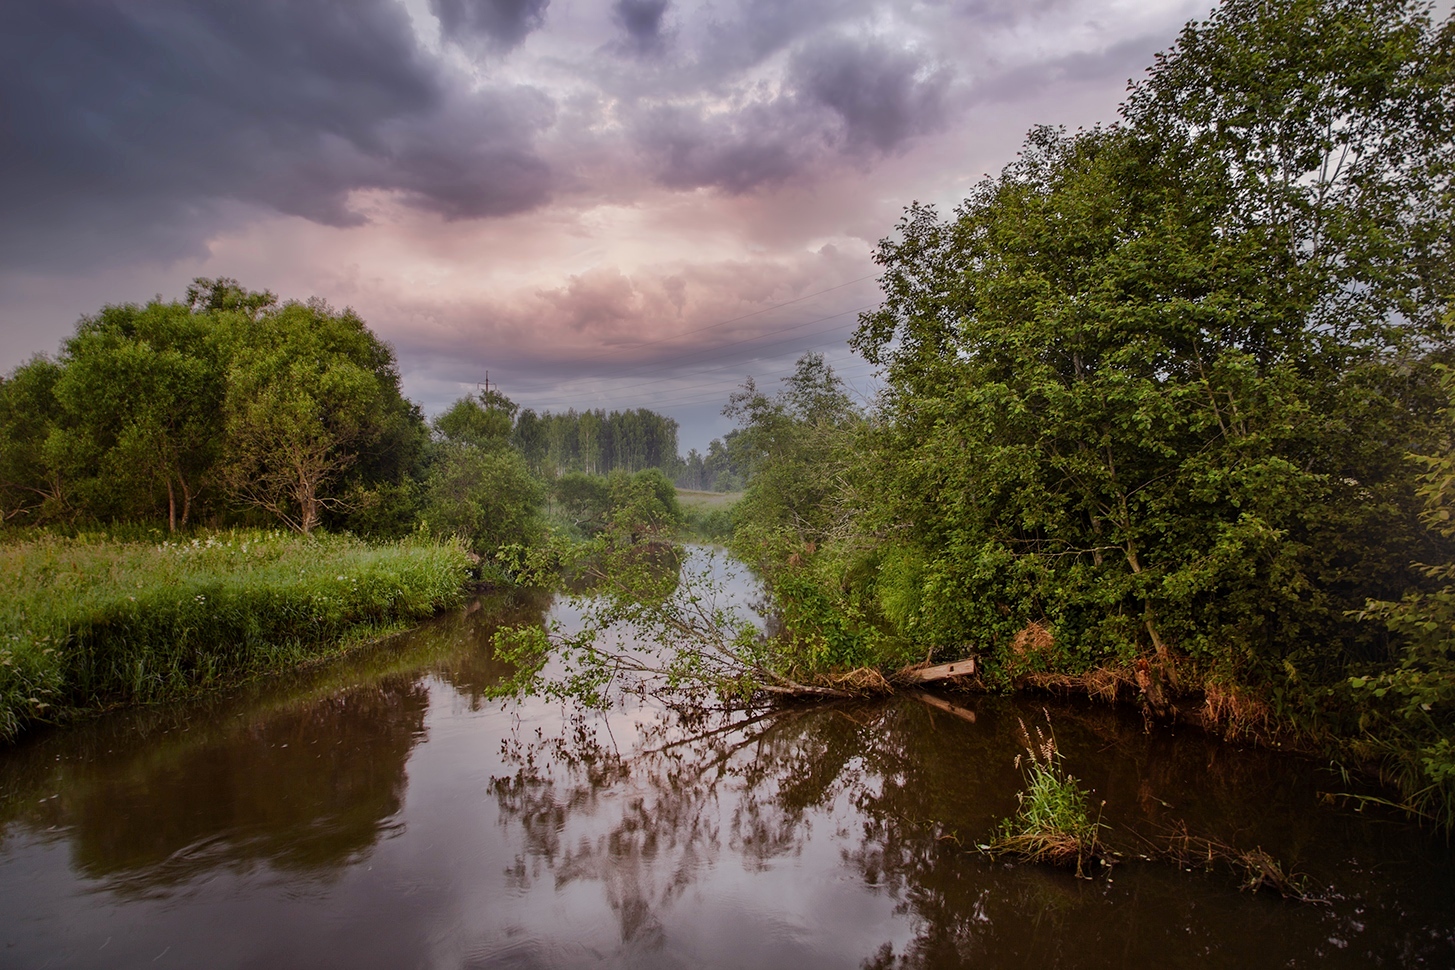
[1151, 400]
[232, 409]
[92, 621]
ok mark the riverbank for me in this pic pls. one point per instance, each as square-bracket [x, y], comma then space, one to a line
[93, 622]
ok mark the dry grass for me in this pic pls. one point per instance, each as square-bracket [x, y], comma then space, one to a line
[1103, 683]
[862, 680]
[1234, 711]
[1255, 868]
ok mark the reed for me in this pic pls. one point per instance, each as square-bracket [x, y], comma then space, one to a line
[1053, 823]
[91, 622]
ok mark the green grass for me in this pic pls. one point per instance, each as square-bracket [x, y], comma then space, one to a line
[714, 500]
[91, 622]
[708, 515]
[1053, 823]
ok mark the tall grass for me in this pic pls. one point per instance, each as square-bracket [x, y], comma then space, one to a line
[1054, 822]
[90, 621]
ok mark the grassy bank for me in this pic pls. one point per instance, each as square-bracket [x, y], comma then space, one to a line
[90, 622]
[708, 515]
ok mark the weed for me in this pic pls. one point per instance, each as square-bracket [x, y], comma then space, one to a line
[1053, 823]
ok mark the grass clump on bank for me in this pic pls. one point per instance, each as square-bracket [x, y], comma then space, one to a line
[1053, 823]
[90, 622]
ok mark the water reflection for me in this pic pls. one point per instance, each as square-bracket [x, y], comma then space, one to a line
[386, 812]
[304, 774]
[905, 791]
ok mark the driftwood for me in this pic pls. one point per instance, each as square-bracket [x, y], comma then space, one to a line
[924, 675]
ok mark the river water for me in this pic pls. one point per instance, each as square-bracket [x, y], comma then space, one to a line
[383, 812]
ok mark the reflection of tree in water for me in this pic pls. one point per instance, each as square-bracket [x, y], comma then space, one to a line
[687, 791]
[908, 791]
[304, 773]
[308, 788]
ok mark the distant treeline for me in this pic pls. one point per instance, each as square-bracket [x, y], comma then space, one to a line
[597, 442]
[231, 407]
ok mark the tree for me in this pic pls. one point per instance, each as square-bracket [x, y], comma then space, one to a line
[31, 484]
[483, 421]
[796, 445]
[1148, 389]
[486, 495]
[141, 391]
[309, 390]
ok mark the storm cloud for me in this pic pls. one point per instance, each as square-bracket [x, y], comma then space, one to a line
[137, 120]
[641, 21]
[504, 23]
[558, 191]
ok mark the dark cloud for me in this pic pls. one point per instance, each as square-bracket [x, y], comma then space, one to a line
[502, 23]
[642, 22]
[753, 147]
[130, 125]
[755, 30]
[884, 95]
[842, 101]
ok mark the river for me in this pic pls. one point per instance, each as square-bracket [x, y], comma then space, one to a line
[382, 811]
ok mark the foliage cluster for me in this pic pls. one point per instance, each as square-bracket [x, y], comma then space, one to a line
[629, 508]
[1407, 708]
[92, 621]
[1149, 397]
[799, 523]
[228, 402]
[716, 471]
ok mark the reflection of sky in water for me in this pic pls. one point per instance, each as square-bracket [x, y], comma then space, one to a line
[383, 813]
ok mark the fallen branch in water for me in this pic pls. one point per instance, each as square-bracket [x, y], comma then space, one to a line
[1255, 867]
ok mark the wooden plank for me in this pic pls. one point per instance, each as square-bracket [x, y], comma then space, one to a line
[923, 675]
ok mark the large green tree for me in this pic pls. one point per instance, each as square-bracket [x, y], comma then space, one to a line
[311, 393]
[1150, 389]
[141, 390]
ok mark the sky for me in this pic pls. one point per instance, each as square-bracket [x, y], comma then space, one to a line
[618, 203]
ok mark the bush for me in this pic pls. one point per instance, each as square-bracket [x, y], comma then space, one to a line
[487, 496]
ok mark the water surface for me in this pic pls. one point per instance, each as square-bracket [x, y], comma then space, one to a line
[382, 812]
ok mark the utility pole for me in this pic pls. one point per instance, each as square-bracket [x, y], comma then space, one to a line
[487, 386]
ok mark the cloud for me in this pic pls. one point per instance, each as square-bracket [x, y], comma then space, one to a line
[884, 95]
[642, 22]
[133, 125]
[497, 188]
[501, 23]
[841, 100]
